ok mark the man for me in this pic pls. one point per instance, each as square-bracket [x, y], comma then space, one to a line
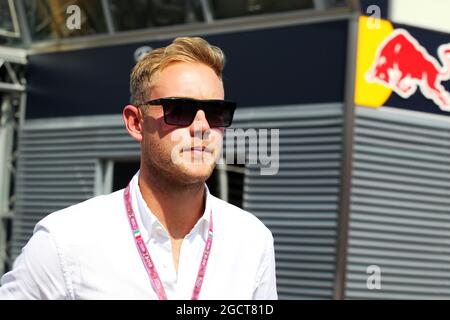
[164, 236]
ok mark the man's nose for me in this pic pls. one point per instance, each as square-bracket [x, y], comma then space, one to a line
[200, 123]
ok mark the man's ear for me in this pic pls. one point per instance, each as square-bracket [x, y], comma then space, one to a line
[132, 117]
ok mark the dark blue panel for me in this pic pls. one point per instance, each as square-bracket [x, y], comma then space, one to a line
[83, 82]
[304, 64]
[290, 65]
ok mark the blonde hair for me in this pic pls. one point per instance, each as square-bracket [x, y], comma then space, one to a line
[183, 49]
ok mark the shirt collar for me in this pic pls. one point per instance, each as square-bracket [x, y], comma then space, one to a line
[150, 222]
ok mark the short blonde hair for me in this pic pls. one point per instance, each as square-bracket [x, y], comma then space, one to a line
[183, 49]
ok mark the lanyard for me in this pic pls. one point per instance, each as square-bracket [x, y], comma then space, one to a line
[147, 260]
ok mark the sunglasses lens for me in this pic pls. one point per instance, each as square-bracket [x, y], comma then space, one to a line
[179, 113]
[182, 112]
[219, 113]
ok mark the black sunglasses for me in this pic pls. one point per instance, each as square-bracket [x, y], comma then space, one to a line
[182, 111]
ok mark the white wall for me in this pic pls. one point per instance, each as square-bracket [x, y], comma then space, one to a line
[430, 14]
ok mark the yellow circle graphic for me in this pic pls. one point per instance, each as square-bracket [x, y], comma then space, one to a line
[371, 34]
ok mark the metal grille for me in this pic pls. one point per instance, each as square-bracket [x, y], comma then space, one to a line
[400, 205]
[57, 165]
[300, 203]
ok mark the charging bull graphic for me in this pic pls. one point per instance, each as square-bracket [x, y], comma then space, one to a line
[402, 64]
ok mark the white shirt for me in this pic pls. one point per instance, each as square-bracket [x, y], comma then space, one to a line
[87, 251]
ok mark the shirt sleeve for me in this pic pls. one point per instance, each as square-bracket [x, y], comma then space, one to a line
[266, 288]
[37, 272]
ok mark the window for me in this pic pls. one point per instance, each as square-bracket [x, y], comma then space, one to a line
[47, 18]
[123, 173]
[9, 25]
[6, 261]
[235, 8]
[112, 175]
[227, 183]
[139, 14]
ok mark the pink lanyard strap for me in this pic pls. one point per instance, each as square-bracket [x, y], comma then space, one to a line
[147, 260]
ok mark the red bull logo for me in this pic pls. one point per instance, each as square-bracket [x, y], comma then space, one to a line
[403, 65]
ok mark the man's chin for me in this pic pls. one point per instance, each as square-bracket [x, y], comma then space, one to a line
[193, 173]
